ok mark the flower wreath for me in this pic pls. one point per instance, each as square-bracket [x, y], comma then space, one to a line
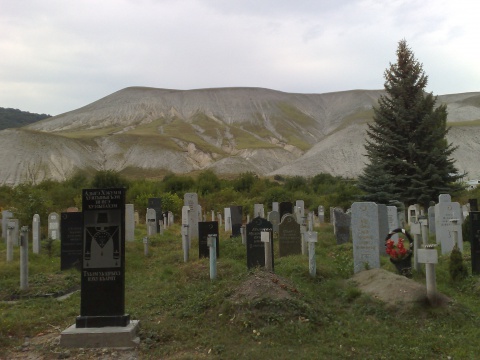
[398, 251]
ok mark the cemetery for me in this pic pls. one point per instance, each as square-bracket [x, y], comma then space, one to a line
[282, 279]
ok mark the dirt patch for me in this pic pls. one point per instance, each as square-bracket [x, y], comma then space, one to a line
[393, 289]
[263, 284]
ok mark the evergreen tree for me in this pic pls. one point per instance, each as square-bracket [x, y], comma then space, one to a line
[406, 143]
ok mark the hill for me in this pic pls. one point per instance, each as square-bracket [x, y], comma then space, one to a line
[148, 131]
[13, 118]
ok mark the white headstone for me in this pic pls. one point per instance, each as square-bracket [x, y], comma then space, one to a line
[445, 211]
[413, 213]
[54, 226]
[191, 200]
[228, 219]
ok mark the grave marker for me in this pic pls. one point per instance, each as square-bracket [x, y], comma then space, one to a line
[236, 217]
[445, 211]
[71, 243]
[156, 204]
[191, 200]
[53, 226]
[285, 207]
[36, 234]
[129, 222]
[365, 235]
[255, 246]
[5, 216]
[475, 240]
[289, 236]
[206, 229]
[341, 226]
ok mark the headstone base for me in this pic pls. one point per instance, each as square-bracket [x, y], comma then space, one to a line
[111, 336]
[102, 321]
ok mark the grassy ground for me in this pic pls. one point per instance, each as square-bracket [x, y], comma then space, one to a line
[185, 315]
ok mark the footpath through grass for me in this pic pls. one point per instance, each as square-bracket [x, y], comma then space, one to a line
[185, 315]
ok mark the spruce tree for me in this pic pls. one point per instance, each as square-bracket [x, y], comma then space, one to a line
[406, 142]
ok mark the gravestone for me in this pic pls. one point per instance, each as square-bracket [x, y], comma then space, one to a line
[255, 246]
[191, 200]
[431, 219]
[206, 228]
[136, 217]
[13, 226]
[219, 219]
[156, 204]
[382, 227]
[103, 266]
[413, 213]
[445, 211]
[332, 215]
[341, 225]
[228, 220]
[151, 218]
[289, 236]
[258, 211]
[129, 222]
[473, 204]
[71, 243]
[54, 226]
[321, 214]
[285, 207]
[392, 215]
[475, 240]
[236, 216]
[274, 218]
[300, 209]
[365, 235]
[36, 234]
[5, 216]
[171, 218]
[275, 207]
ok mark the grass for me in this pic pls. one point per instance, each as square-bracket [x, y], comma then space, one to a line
[185, 315]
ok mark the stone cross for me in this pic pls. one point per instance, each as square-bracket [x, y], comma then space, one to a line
[429, 256]
[311, 237]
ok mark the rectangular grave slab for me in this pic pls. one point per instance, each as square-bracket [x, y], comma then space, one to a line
[289, 237]
[206, 228]
[71, 243]
[255, 246]
[365, 236]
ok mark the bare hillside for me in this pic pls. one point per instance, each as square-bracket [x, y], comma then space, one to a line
[230, 130]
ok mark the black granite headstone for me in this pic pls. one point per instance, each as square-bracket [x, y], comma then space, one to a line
[255, 246]
[473, 204]
[475, 240]
[102, 301]
[236, 216]
[206, 228]
[285, 207]
[289, 237]
[156, 204]
[71, 243]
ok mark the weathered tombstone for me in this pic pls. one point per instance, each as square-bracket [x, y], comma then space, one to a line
[274, 218]
[255, 246]
[219, 219]
[236, 216]
[185, 232]
[151, 222]
[228, 220]
[71, 243]
[413, 213]
[156, 204]
[289, 237]
[36, 234]
[129, 222]
[321, 214]
[445, 228]
[431, 219]
[365, 235]
[136, 217]
[275, 207]
[191, 200]
[205, 229]
[53, 226]
[300, 209]
[24, 258]
[382, 227]
[332, 215]
[285, 207]
[341, 225]
[258, 210]
[103, 265]
[392, 214]
[311, 237]
[5, 216]
[171, 218]
[475, 240]
[12, 237]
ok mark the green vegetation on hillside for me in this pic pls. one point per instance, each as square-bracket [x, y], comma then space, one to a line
[12, 118]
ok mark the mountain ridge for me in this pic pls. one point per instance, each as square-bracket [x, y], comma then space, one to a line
[228, 130]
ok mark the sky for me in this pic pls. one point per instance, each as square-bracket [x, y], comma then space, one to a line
[58, 55]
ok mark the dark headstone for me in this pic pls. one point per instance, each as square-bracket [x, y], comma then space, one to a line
[473, 204]
[342, 224]
[285, 207]
[71, 243]
[289, 237]
[206, 228]
[475, 240]
[236, 216]
[255, 246]
[156, 204]
[102, 300]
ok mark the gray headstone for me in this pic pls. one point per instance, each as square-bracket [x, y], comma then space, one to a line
[191, 200]
[289, 236]
[5, 216]
[341, 226]
[151, 222]
[300, 209]
[413, 213]
[444, 198]
[275, 207]
[431, 219]
[365, 235]
[382, 227]
[274, 218]
[54, 226]
[258, 211]
[13, 226]
[36, 234]
[129, 222]
[321, 214]
[393, 224]
[228, 219]
[444, 228]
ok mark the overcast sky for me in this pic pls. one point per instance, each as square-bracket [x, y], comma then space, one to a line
[58, 55]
